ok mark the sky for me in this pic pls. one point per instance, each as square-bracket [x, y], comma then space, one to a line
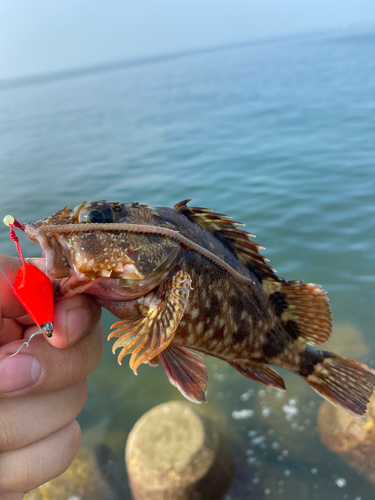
[45, 36]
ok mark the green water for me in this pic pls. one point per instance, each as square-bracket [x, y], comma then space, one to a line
[279, 135]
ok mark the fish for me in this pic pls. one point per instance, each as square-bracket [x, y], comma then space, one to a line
[184, 280]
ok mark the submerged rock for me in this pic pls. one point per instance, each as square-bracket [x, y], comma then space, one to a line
[81, 481]
[353, 439]
[176, 453]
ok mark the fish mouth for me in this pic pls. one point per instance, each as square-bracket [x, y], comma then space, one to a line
[56, 262]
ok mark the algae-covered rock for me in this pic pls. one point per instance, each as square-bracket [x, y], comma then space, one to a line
[353, 439]
[82, 480]
[176, 453]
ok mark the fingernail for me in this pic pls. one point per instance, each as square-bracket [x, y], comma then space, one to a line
[18, 372]
[77, 322]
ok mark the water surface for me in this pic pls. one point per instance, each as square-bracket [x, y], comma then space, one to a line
[279, 135]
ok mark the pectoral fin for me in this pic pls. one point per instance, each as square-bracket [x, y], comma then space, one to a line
[147, 336]
[185, 370]
[260, 373]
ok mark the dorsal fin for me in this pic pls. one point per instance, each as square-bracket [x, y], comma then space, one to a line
[223, 227]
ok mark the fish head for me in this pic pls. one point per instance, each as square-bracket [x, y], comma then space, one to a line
[76, 244]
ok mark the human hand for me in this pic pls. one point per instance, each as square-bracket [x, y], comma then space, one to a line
[43, 388]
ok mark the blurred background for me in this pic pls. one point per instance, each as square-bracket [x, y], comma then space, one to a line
[264, 111]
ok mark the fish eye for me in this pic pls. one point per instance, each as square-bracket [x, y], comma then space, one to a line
[95, 216]
[99, 213]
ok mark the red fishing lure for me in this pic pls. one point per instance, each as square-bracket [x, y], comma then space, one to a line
[32, 287]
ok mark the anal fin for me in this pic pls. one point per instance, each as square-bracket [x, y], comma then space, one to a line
[260, 373]
[147, 336]
[185, 370]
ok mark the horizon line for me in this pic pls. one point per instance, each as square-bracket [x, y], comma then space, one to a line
[61, 74]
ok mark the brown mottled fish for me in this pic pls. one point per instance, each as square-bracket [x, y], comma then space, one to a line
[186, 278]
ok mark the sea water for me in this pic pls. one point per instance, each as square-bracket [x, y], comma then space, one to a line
[280, 135]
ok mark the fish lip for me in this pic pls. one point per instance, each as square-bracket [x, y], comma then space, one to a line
[44, 241]
[31, 231]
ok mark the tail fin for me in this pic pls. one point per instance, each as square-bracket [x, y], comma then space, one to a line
[344, 382]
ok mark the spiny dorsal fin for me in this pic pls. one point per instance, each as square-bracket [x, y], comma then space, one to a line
[303, 309]
[226, 230]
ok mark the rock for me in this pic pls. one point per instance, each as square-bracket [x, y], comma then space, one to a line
[81, 481]
[175, 453]
[353, 439]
